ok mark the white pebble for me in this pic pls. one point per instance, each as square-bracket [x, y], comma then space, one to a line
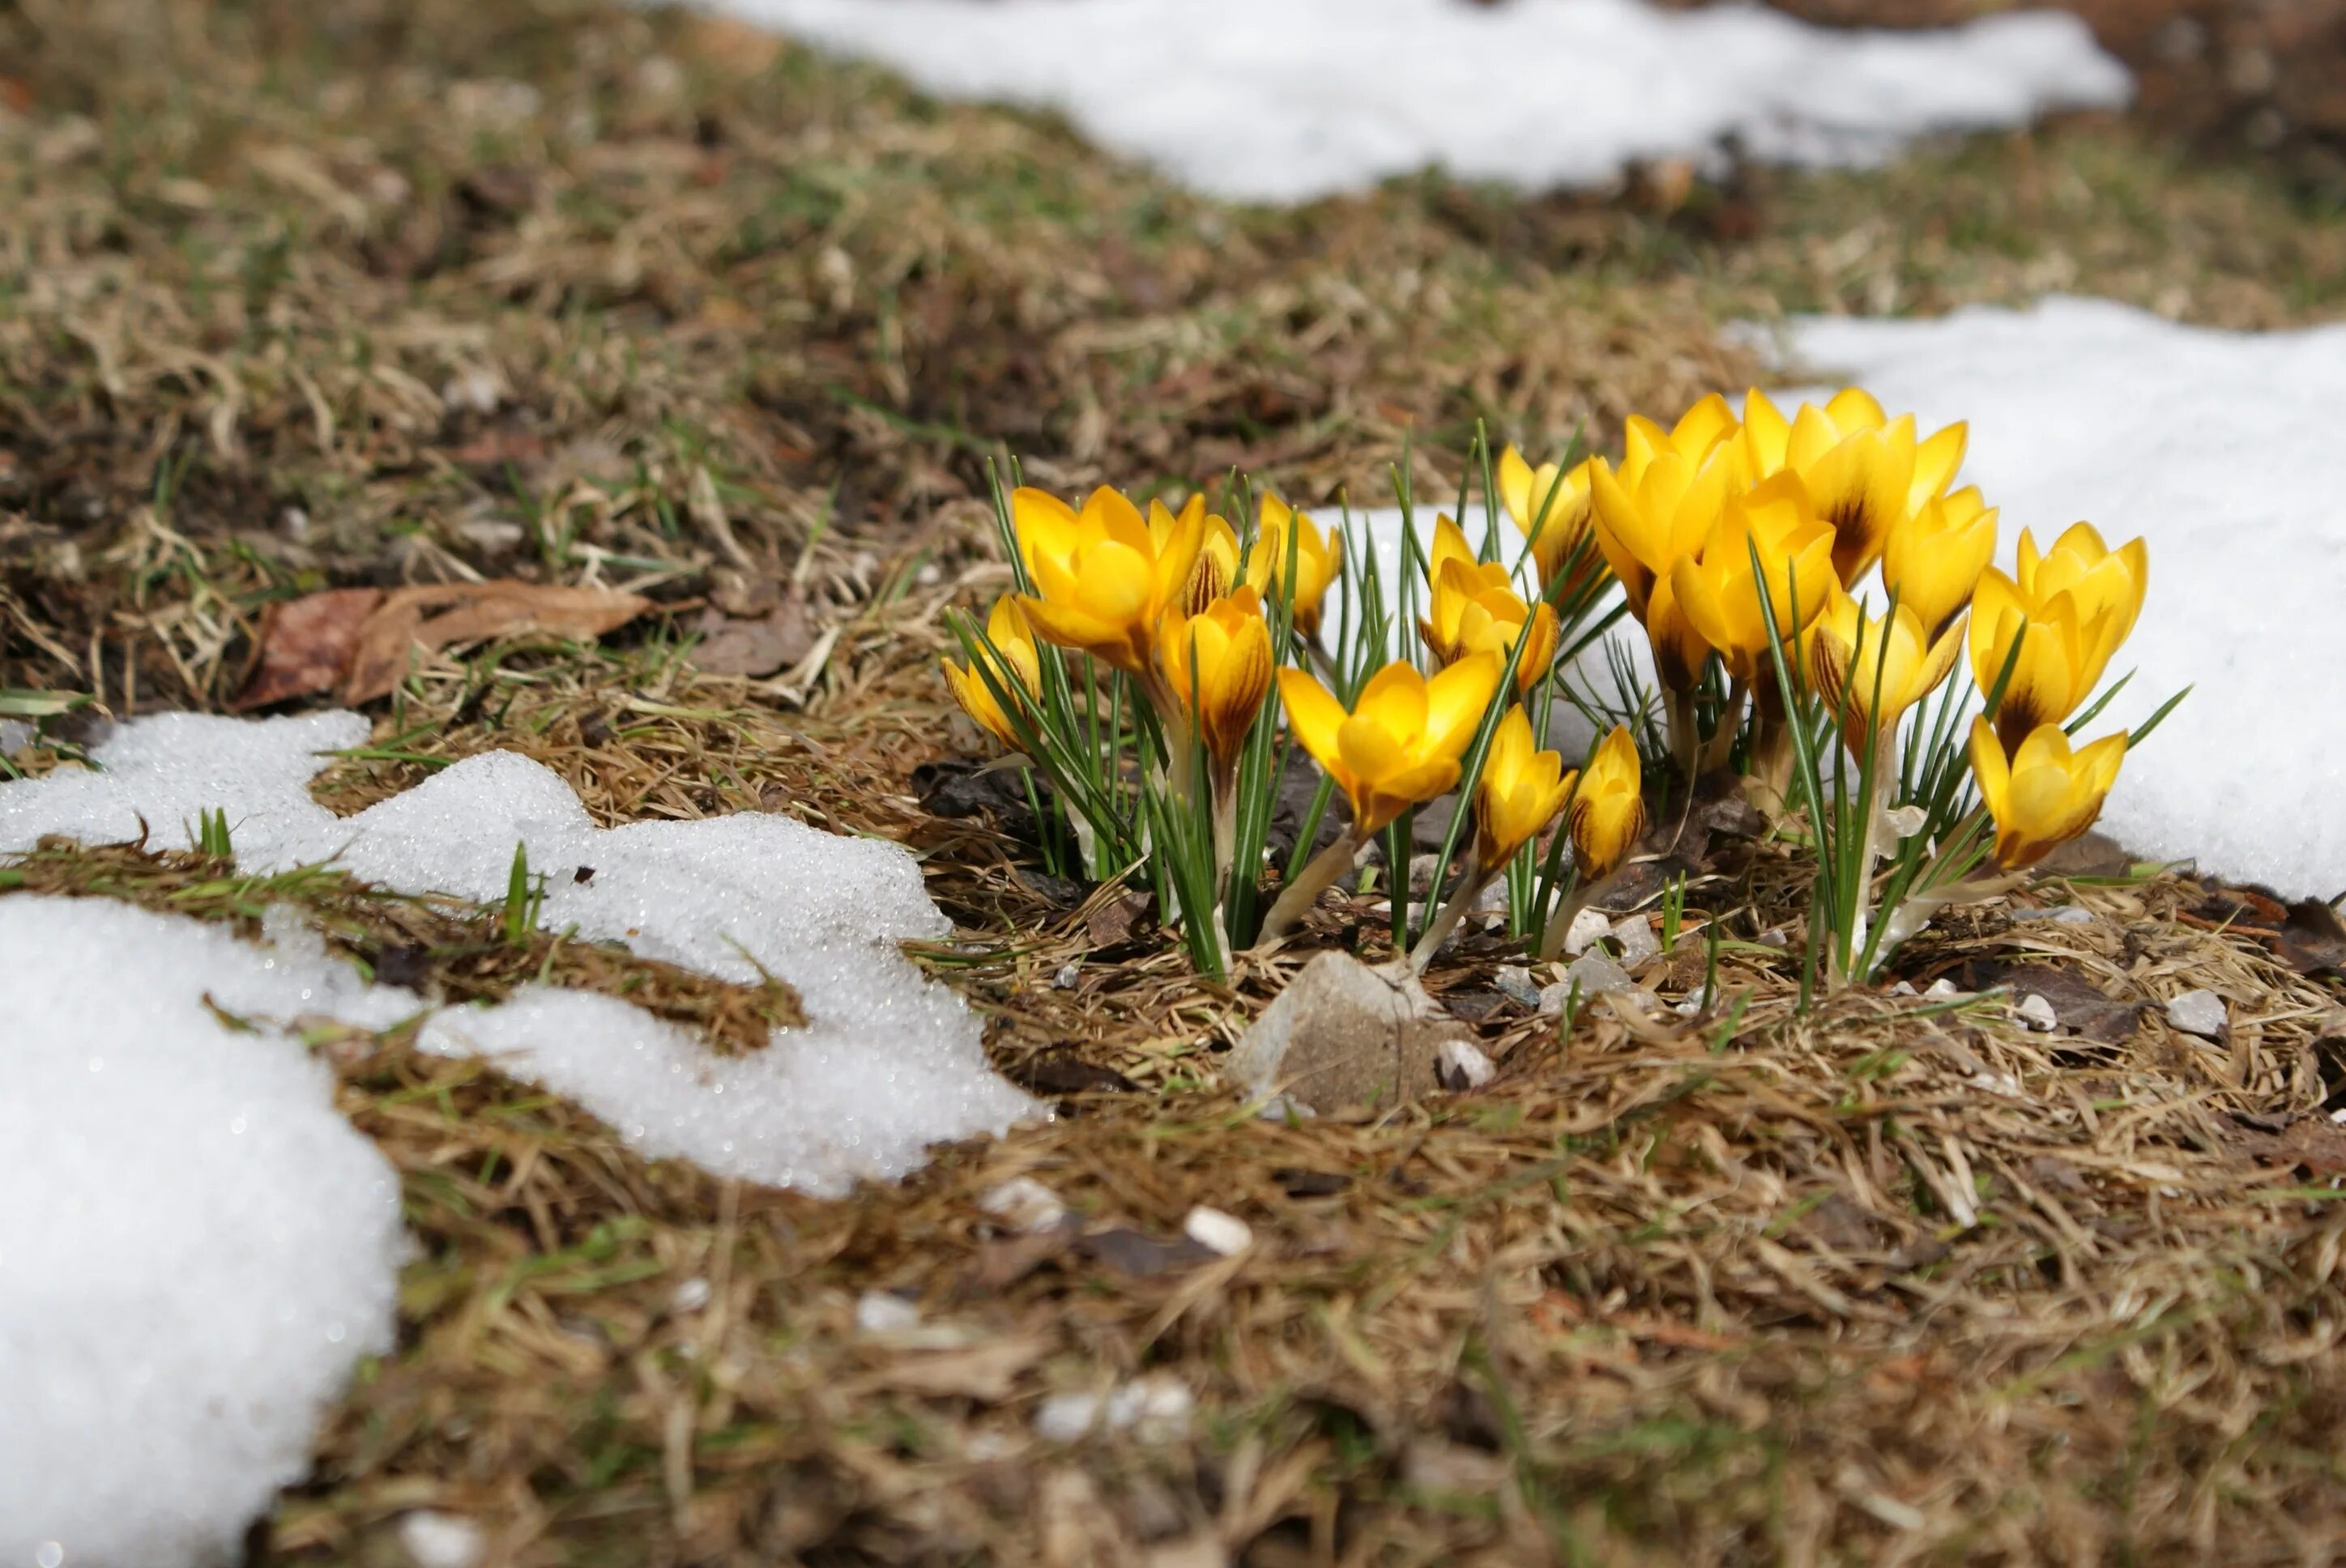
[2201, 1012]
[1217, 1232]
[1154, 1409]
[2037, 1013]
[885, 1312]
[1067, 976]
[690, 1296]
[433, 1540]
[1025, 1204]
[1462, 1062]
[1941, 990]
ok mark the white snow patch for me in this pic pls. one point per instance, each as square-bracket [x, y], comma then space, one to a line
[1287, 100]
[2219, 449]
[888, 1064]
[195, 1246]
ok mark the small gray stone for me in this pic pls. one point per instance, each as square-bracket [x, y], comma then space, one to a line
[1596, 974]
[1585, 927]
[2201, 1012]
[1514, 981]
[1638, 942]
[1343, 1035]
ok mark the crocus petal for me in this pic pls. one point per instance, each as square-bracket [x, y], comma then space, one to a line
[1313, 714]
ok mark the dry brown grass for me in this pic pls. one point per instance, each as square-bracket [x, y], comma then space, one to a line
[1878, 1282]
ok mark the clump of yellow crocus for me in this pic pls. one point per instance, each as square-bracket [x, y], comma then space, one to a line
[1553, 507]
[1935, 558]
[1104, 577]
[2044, 794]
[2068, 610]
[1016, 666]
[1400, 745]
[1318, 561]
[1520, 790]
[1217, 669]
[1607, 820]
[1866, 471]
[1474, 609]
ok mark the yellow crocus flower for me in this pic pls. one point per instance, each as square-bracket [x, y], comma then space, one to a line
[1104, 577]
[1560, 536]
[1013, 641]
[1873, 668]
[1401, 742]
[2109, 585]
[2045, 794]
[1934, 557]
[1718, 595]
[1474, 609]
[2069, 609]
[1661, 505]
[1521, 791]
[1698, 430]
[1609, 811]
[1680, 649]
[1317, 560]
[1216, 571]
[1217, 667]
[1867, 471]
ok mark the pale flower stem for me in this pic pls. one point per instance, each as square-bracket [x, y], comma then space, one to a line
[1686, 746]
[1722, 748]
[1304, 891]
[1226, 833]
[1471, 881]
[1559, 925]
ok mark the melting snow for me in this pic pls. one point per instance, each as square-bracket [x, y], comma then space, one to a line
[888, 1064]
[1286, 100]
[195, 1246]
[2220, 448]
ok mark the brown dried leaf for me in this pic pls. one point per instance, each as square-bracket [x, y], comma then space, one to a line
[2081, 1007]
[1144, 1257]
[1111, 924]
[447, 613]
[733, 645]
[2315, 1144]
[2313, 939]
[306, 644]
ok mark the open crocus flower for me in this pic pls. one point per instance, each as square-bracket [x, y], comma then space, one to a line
[2045, 794]
[1872, 669]
[1318, 561]
[1665, 501]
[1718, 595]
[1552, 506]
[1217, 667]
[1216, 571]
[1401, 742]
[1521, 789]
[1609, 810]
[1934, 557]
[1104, 577]
[1018, 666]
[1474, 609]
[1866, 471]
